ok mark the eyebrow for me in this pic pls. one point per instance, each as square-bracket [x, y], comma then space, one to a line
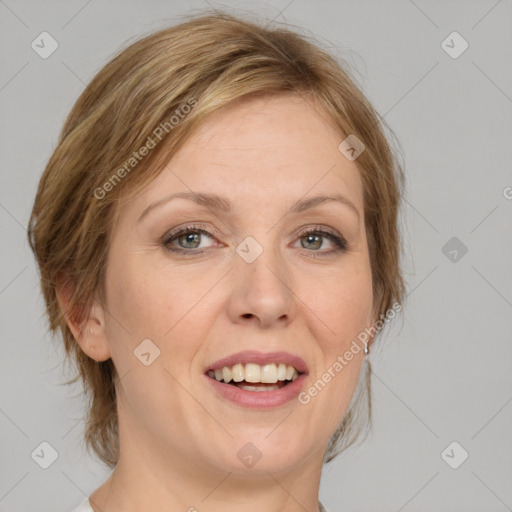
[218, 203]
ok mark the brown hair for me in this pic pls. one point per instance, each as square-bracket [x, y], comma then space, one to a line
[209, 60]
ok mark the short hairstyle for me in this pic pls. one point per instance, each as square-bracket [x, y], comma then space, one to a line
[171, 81]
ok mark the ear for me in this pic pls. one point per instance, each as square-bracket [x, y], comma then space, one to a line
[87, 326]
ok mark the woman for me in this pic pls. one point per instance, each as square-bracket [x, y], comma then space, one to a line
[217, 239]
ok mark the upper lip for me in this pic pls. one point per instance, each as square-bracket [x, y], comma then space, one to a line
[261, 358]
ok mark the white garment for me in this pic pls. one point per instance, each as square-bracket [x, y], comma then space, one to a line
[85, 506]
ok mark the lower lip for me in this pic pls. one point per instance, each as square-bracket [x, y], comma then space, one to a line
[258, 399]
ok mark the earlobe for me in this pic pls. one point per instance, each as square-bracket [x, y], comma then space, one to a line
[94, 339]
[87, 327]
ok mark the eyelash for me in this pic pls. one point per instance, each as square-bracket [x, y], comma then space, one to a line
[339, 242]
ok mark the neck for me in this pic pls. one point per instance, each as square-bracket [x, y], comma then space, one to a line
[142, 482]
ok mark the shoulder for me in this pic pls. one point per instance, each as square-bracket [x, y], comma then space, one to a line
[84, 506]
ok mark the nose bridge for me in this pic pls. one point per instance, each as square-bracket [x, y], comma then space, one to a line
[262, 280]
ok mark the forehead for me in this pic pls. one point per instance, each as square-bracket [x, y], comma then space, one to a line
[261, 149]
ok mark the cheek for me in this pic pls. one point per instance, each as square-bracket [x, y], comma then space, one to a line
[345, 306]
[144, 298]
[343, 302]
[149, 299]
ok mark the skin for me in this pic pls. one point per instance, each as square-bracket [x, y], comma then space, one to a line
[179, 439]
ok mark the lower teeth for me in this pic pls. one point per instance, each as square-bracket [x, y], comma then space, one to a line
[259, 388]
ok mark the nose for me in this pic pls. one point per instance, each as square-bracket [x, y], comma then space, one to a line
[262, 290]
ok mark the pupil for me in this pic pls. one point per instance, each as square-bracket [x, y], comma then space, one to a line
[188, 237]
[310, 237]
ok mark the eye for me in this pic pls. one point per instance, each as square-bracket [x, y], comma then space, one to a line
[187, 238]
[314, 239]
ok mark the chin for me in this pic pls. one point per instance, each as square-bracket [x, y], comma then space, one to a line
[260, 454]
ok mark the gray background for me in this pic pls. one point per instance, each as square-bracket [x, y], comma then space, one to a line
[442, 373]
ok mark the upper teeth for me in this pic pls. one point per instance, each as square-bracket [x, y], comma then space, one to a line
[267, 373]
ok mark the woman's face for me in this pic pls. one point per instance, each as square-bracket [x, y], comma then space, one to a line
[248, 278]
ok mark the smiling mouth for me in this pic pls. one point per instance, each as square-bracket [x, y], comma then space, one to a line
[254, 377]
